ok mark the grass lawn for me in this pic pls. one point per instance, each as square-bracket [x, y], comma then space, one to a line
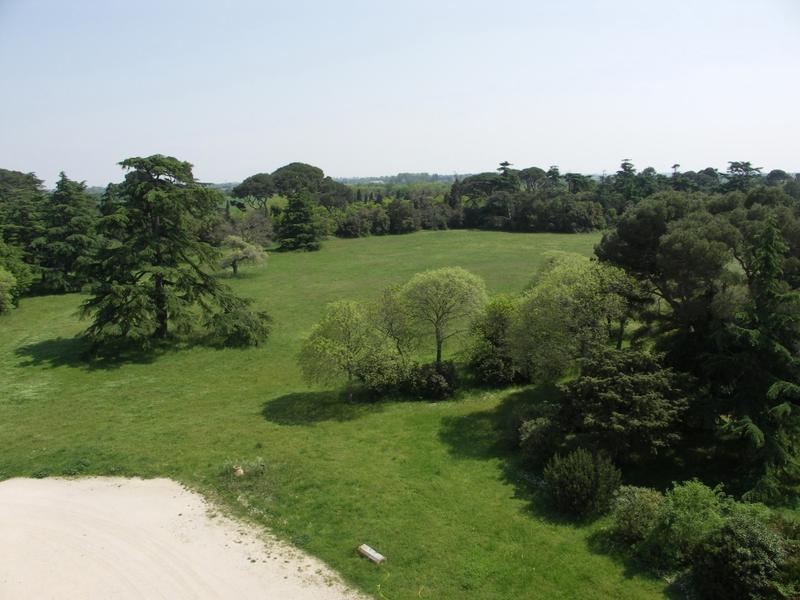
[432, 486]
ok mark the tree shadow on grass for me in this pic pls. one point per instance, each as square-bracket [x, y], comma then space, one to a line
[492, 434]
[76, 352]
[307, 408]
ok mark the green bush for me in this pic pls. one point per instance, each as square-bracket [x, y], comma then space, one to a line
[382, 372]
[7, 284]
[432, 381]
[635, 511]
[236, 326]
[537, 438]
[581, 483]
[690, 512]
[741, 560]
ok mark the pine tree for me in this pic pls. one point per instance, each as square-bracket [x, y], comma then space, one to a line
[69, 235]
[298, 229]
[152, 273]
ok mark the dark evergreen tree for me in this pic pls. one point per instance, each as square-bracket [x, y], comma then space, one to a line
[298, 228]
[152, 273]
[69, 235]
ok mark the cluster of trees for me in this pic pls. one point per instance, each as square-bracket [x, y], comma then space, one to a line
[376, 344]
[144, 253]
[530, 199]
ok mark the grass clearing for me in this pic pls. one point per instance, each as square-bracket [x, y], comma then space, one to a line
[431, 486]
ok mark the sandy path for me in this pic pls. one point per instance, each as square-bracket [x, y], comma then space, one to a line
[133, 538]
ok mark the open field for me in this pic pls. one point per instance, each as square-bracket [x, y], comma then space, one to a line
[428, 485]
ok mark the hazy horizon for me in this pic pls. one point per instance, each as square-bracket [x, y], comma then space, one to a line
[366, 90]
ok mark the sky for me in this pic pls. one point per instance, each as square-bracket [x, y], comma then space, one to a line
[368, 88]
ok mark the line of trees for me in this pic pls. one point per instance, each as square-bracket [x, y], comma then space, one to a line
[530, 199]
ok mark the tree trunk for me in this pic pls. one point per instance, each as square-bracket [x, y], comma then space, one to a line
[235, 267]
[439, 342]
[621, 333]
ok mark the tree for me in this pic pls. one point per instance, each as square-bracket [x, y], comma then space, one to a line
[22, 201]
[401, 216]
[565, 315]
[339, 344]
[532, 177]
[755, 372]
[297, 178]
[152, 273]
[742, 175]
[444, 299]
[256, 190]
[11, 261]
[624, 402]
[69, 235]
[491, 359]
[298, 227]
[237, 251]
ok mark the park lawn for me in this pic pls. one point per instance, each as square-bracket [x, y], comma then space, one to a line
[433, 486]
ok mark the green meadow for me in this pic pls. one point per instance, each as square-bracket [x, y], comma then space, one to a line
[433, 486]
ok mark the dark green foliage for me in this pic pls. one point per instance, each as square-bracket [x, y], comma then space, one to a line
[432, 381]
[635, 511]
[22, 202]
[69, 218]
[259, 185]
[739, 561]
[298, 227]
[151, 275]
[581, 483]
[236, 325]
[626, 403]
[401, 217]
[297, 178]
[538, 437]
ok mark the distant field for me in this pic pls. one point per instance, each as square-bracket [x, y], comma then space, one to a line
[430, 486]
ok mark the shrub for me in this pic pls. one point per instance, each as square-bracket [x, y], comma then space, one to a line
[635, 512]
[691, 511]
[432, 381]
[581, 483]
[238, 326]
[7, 284]
[381, 372]
[537, 437]
[741, 560]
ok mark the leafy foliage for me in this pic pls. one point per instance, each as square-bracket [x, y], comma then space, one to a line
[635, 511]
[444, 300]
[491, 359]
[237, 251]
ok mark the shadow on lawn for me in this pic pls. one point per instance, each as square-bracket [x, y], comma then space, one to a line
[75, 352]
[492, 434]
[306, 408]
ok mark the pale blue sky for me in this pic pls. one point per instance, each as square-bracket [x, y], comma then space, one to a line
[371, 88]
